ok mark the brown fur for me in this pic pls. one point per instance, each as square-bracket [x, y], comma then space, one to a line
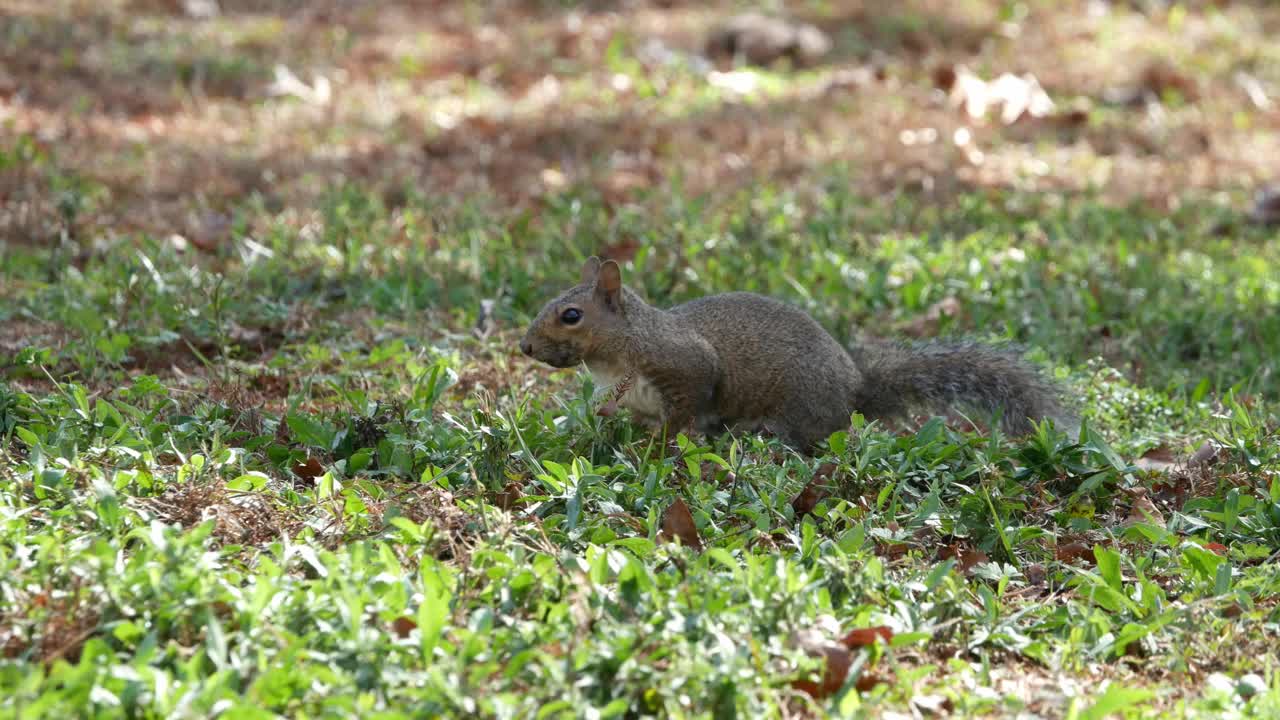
[747, 362]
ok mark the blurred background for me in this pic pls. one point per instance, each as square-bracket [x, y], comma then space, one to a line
[163, 113]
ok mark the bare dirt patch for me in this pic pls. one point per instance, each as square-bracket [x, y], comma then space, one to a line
[239, 518]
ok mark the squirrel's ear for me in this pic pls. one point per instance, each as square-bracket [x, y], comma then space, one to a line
[609, 284]
[590, 269]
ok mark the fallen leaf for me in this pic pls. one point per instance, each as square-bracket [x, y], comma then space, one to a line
[1074, 551]
[309, 469]
[677, 523]
[1160, 78]
[1143, 510]
[868, 680]
[814, 492]
[892, 551]
[1157, 459]
[402, 626]
[508, 496]
[1173, 491]
[971, 558]
[862, 637]
[945, 77]
[834, 671]
[965, 558]
[622, 251]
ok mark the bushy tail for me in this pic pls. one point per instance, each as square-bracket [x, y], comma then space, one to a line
[938, 376]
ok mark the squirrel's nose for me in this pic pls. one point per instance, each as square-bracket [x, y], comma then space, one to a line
[526, 347]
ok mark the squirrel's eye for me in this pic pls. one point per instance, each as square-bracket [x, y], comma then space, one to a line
[571, 316]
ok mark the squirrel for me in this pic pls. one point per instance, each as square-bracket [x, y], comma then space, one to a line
[745, 362]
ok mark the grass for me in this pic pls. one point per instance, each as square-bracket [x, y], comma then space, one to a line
[291, 479]
[268, 447]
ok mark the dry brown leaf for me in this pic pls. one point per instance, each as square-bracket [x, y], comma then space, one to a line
[945, 77]
[814, 492]
[508, 496]
[1145, 511]
[965, 558]
[868, 680]
[402, 626]
[834, 672]
[972, 558]
[891, 551]
[677, 522]
[1160, 78]
[309, 469]
[863, 637]
[838, 658]
[1074, 551]
[1157, 459]
[622, 251]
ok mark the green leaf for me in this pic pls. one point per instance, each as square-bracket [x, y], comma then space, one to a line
[408, 527]
[1109, 567]
[723, 557]
[27, 437]
[310, 432]
[839, 442]
[434, 610]
[1114, 699]
[252, 481]
[1222, 579]
[1203, 562]
[641, 547]
[215, 642]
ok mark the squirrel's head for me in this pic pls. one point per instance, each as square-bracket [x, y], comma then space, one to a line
[586, 319]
